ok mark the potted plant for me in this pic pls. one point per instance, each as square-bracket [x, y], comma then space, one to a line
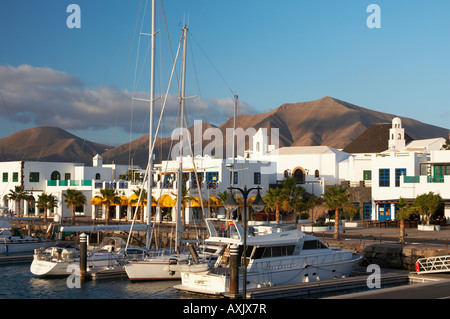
[351, 210]
[316, 227]
[427, 205]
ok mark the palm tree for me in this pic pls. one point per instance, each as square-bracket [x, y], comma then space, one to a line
[74, 198]
[294, 196]
[404, 210]
[17, 194]
[184, 200]
[143, 201]
[46, 201]
[109, 197]
[223, 196]
[275, 199]
[310, 205]
[335, 199]
[446, 145]
[351, 210]
[428, 204]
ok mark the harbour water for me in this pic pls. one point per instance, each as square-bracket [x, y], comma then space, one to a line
[18, 282]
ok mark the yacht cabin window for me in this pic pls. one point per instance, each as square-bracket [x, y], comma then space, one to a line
[274, 251]
[313, 244]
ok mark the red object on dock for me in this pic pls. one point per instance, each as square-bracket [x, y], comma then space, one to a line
[417, 267]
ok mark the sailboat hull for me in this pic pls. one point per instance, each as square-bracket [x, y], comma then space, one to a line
[7, 248]
[156, 268]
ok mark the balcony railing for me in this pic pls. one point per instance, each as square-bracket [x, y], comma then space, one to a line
[64, 183]
[430, 179]
[435, 179]
[411, 179]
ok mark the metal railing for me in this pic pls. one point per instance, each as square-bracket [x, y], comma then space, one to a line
[433, 264]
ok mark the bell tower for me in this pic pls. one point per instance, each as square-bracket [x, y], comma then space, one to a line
[397, 135]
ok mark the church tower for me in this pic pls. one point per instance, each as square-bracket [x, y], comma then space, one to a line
[97, 161]
[397, 135]
[260, 143]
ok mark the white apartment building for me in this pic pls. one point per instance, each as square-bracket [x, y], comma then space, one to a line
[54, 178]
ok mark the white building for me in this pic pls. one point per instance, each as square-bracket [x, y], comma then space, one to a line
[214, 176]
[402, 170]
[55, 178]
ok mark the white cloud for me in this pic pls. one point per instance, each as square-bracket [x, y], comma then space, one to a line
[39, 96]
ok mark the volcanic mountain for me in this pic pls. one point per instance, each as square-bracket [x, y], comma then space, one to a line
[50, 144]
[327, 121]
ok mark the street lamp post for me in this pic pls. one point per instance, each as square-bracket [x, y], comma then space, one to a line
[231, 205]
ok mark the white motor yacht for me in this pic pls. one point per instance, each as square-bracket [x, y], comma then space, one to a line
[275, 257]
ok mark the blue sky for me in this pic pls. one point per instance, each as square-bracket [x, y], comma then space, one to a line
[268, 52]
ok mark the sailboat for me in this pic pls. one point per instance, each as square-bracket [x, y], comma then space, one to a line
[161, 266]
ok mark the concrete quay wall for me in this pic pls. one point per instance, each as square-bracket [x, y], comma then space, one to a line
[392, 256]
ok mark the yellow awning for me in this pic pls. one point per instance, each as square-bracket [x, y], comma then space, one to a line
[96, 200]
[134, 199]
[123, 201]
[214, 202]
[154, 201]
[196, 202]
[166, 201]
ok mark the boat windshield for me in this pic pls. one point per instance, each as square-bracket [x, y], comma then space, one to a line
[116, 242]
[225, 228]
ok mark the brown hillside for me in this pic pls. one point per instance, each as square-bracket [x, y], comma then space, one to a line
[48, 144]
[326, 121]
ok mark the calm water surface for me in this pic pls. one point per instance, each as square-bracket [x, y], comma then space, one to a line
[18, 282]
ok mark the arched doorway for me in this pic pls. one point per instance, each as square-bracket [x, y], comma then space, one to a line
[55, 176]
[299, 175]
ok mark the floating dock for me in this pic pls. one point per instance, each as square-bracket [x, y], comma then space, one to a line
[112, 273]
[20, 259]
[325, 286]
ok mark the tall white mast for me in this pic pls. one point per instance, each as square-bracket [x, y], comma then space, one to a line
[150, 135]
[180, 164]
[233, 154]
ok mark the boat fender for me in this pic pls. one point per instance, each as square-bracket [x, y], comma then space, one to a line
[417, 267]
[173, 261]
[6, 248]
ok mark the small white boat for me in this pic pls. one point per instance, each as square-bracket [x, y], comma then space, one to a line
[17, 243]
[276, 257]
[159, 267]
[54, 261]
[169, 266]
